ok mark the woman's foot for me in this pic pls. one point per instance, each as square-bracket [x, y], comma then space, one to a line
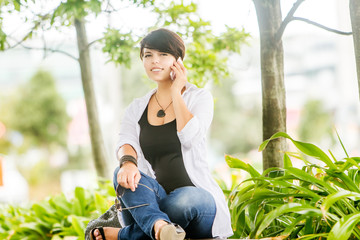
[109, 232]
[157, 226]
[168, 231]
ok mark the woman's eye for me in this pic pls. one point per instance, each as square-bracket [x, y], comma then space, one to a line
[148, 55]
[164, 54]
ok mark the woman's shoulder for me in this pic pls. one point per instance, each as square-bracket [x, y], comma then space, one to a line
[140, 102]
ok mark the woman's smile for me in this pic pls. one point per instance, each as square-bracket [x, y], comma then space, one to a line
[157, 69]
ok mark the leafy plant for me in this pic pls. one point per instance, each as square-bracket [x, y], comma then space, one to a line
[57, 217]
[318, 201]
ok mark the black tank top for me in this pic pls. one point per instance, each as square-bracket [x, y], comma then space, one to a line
[161, 147]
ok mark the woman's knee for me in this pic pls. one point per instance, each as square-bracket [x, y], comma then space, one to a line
[190, 199]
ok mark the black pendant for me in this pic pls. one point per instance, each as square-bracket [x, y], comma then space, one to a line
[161, 113]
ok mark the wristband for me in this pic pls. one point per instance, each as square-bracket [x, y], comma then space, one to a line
[127, 158]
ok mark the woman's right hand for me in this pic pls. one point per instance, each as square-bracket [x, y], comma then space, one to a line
[129, 176]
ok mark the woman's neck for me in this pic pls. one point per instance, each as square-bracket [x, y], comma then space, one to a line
[164, 90]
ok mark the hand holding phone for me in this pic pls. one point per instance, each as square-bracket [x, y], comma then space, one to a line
[178, 75]
[172, 75]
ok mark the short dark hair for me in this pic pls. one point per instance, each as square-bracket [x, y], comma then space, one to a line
[163, 40]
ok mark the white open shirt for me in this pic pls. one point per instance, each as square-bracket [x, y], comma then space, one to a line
[193, 146]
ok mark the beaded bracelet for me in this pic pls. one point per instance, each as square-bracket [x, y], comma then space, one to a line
[127, 158]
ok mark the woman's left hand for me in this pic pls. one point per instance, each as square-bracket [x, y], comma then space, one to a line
[180, 76]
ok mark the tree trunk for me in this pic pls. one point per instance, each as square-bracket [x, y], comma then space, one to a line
[272, 77]
[97, 142]
[355, 23]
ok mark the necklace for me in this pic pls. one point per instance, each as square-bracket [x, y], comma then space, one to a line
[161, 113]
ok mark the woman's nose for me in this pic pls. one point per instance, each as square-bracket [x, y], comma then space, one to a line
[156, 59]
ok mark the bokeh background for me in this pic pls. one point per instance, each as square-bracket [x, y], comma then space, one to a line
[320, 78]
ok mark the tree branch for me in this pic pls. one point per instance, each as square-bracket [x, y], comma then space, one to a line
[44, 49]
[25, 37]
[321, 26]
[36, 25]
[287, 19]
[52, 50]
[96, 40]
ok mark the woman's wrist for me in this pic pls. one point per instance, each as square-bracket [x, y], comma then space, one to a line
[176, 92]
[127, 158]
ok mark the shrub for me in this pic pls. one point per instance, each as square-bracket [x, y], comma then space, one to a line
[291, 203]
[56, 217]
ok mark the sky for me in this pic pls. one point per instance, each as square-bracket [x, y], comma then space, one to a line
[241, 13]
[234, 13]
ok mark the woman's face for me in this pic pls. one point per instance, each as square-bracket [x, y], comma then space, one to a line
[157, 64]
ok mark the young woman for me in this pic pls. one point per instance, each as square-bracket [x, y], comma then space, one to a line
[164, 182]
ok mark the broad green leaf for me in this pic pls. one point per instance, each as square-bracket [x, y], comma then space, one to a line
[305, 177]
[60, 203]
[344, 227]
[295, 222]
[76, 207]
[287, 161]
[314, 236]
[101, 203]
[237, 163]
[17, 5]
[33, 228]
[350, 162]
[307, 148]
[80, 195]
[286, 208]
[78, 226]
[343, 180]
[333, 198]
[305, 191]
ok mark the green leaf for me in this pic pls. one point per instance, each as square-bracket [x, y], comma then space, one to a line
[286, 208]
[17, 5]
[307, 148]
[350, 162]
[60, 203]
[80, 195]
[344, 227]
[236, 163]
[305, 177]
[76, 207]
[287, 161]
[314, 236]
[101, 203]
[343, 180]
[333, 198]
[342, 145]
[78, 226]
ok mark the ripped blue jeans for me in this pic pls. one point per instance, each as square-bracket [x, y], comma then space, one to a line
[192, 208]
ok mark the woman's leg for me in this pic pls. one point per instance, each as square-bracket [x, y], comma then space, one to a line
[193, 209]
[140, 222]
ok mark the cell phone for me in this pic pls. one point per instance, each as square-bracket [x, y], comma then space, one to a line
[172, 75]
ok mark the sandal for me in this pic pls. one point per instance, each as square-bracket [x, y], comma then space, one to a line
[101, 230]
[172, 232]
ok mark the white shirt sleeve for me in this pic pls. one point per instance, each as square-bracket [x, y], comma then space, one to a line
[128, 133]
[202, 109]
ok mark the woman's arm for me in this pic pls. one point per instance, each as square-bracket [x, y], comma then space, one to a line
[191, 126]
[128, 144]
[129, 174]
[126, 149]
[182, 113]
[202, 108]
